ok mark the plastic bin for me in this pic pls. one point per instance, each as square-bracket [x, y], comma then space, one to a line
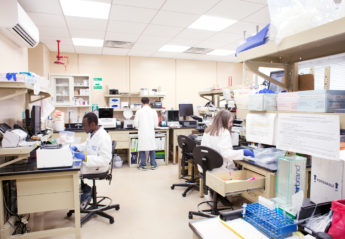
[321, 101]
[290, 178]
[287, 101]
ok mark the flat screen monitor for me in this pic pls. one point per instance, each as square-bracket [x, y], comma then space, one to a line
[173, 115]
[278, 76]
[185, 110]
[35, 120]
[106, 112]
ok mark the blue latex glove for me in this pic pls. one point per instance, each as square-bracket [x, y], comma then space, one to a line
[74, 148]
[248, 152]
[79, 155]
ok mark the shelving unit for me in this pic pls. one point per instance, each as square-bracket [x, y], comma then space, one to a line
[327, 39]
[66, 88]
[214, 96]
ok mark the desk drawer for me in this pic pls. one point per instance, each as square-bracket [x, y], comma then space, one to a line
[44, 194]
[119, 136]
[221, 183]
[122, 145]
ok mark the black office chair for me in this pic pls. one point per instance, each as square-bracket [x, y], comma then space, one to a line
[96, 207]
[187, 145]
[207, 159]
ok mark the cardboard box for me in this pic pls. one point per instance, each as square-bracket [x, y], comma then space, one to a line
[306, 82]
[327, 180]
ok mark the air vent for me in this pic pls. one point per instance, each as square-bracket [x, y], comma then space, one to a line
[198, 50]
[118, 44]
[26, 37]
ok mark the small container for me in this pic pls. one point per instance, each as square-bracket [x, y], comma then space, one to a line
[117, 162]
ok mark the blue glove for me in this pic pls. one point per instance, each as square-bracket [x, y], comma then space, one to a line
[248, 152]
[79, 155]
[74, 148]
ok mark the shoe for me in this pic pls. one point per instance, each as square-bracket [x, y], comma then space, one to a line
[153, 167]
[142, 167]
[85, 200]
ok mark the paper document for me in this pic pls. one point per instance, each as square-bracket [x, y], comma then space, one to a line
[260, 128]
[314, 134]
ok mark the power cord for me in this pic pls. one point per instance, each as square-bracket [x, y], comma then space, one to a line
[20, 226]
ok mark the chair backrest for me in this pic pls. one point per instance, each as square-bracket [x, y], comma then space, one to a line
[207, 158]
[110, 174]
[186, 144]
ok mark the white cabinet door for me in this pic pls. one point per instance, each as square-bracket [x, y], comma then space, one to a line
[63, 90]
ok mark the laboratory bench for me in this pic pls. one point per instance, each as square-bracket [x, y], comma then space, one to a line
[41, 190]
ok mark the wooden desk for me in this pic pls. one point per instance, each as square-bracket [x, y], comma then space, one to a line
[40, 191]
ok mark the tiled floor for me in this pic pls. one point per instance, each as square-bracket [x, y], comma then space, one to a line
[149, 208]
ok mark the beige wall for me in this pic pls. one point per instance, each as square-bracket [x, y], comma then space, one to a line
[39, 58]
[13, 59]
[180, 79]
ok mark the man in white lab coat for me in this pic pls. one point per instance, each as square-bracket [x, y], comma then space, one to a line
[95, 153]
[145, 121]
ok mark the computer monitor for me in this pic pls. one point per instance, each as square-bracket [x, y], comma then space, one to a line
[185, 110]
[106, 112]
[35, 122]
[173, 115]
[278, 76]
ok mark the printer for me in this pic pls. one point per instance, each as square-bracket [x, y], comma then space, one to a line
[14, 138]
[54, 156]
[106, 118]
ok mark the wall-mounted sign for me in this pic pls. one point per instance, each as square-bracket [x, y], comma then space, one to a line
[97, 83]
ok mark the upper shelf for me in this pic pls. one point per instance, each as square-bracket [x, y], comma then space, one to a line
[22, 88]
[134, 96]
[327, 39]
[211, 93]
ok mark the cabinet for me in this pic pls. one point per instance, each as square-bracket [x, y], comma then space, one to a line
[71, 90]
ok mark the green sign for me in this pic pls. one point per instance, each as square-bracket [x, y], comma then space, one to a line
[97, 83]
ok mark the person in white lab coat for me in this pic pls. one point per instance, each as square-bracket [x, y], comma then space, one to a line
[145, 121]
[218, 137]
[95, 153]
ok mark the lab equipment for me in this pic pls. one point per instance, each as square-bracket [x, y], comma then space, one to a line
[290, 178]
[128, 123]
[53, 158]
[59, 121]
[271, 222]
[173, 116]
[157, 104]
[185, 110]
[278, 76]
[14, 138]
[113, 91]
[4, 127]
[106, 118]
[188, 123]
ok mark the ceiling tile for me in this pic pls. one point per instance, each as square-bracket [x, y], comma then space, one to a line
[183, 41]
[131, 14]
[88, 34]
[80, 23]
[42, 6]
[219, 40]
[263, 2]
[126, 27]
[63, 48]
[152, 41]
[262, 17]
[234, 9]
[115, 51]
[154, 4]
[56, 32]
[161, 31]
[47, 20]
[190, 6]
[88, 50]
[63, 41]
[168, 18]
[195, 34]
[141, 52]
[165, 54]
[239, 27]
[121, 36]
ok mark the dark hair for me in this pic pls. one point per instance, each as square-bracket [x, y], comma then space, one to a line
[145, 100]
[221, 121]
[91, 117]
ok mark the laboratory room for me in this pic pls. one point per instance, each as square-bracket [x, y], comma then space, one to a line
[174, 119]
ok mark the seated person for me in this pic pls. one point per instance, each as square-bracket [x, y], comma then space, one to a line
[218, 137]
[95, 152]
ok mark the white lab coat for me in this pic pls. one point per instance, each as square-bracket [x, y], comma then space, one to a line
[146, 119]
[98, 149]
[223, 145]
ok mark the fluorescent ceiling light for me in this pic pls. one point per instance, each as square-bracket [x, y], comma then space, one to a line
[173, 48]
[87, 42]
[221, 52]
[88, 9]
[210, 23]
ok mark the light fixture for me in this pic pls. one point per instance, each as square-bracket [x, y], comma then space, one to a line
[221, 52]
[88, 9]
[87, 42]
[210, 23]
[173, 48]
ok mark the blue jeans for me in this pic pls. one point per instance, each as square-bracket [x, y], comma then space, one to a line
[142, 157]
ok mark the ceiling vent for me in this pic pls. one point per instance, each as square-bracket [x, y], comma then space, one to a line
[119, 44]
[198, 50]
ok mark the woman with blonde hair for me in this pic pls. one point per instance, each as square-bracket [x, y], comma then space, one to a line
[218, 137]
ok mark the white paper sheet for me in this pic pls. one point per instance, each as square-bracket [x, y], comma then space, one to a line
[314, 134]
[260, 128]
